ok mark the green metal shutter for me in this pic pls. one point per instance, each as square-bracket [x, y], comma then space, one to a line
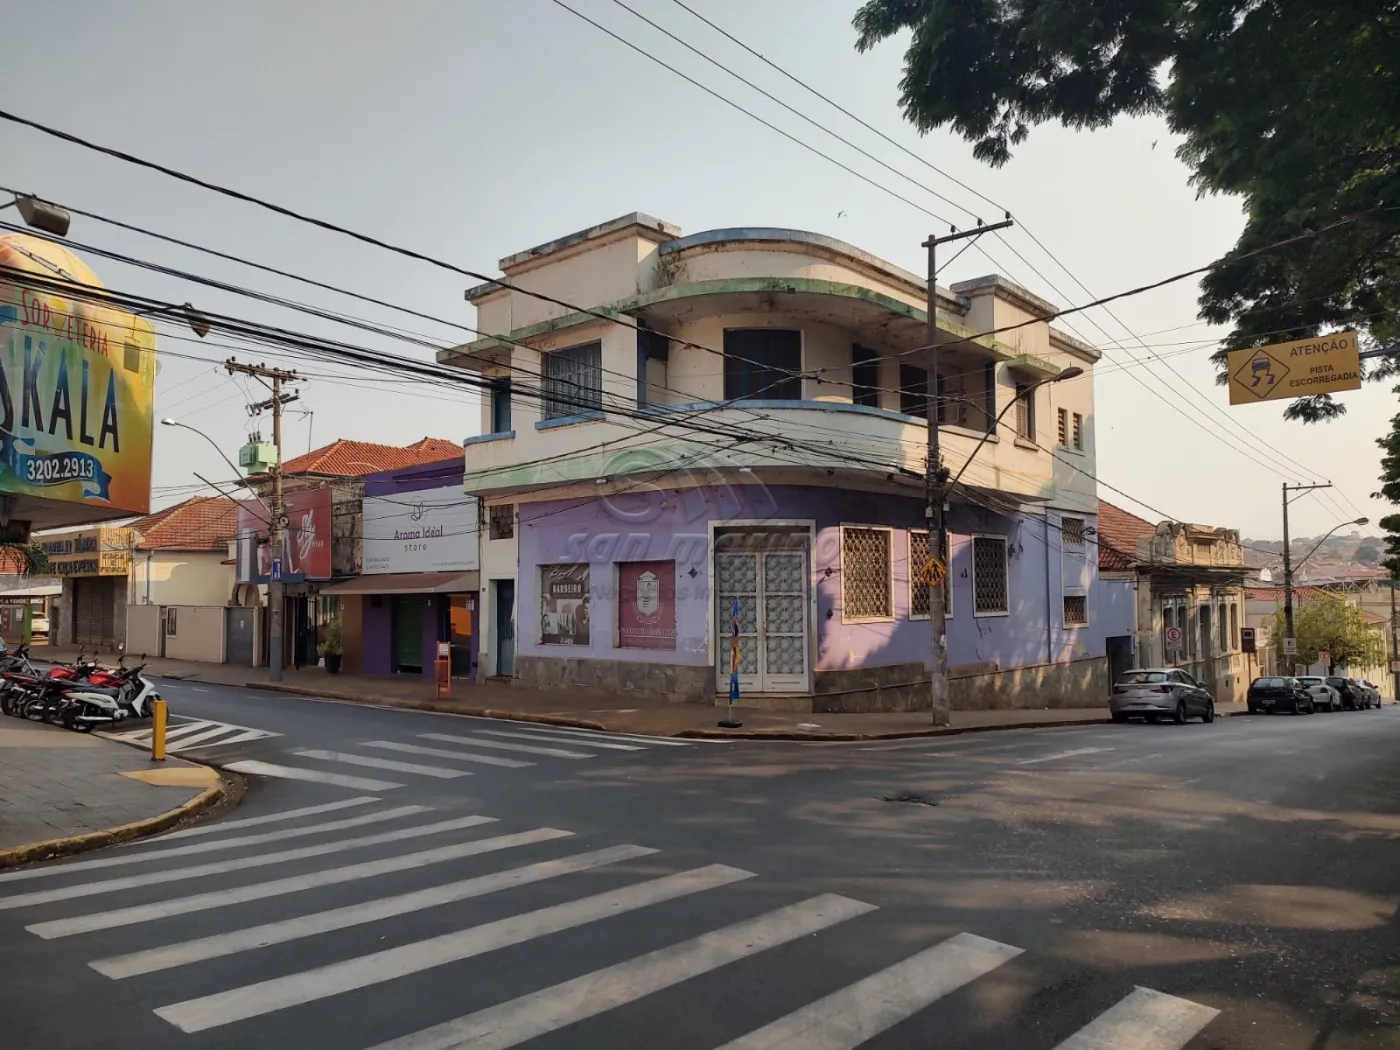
[408, 632]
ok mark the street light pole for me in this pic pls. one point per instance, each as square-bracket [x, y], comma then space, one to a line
[934, 476]
[1290, 642]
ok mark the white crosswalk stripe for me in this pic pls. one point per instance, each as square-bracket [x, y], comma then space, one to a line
[458, 756]
[580, 887]
[185, 736]
[271, 818]
[543, 738]
[476, 741]
[211, 1011]
[392, 765]
[587, 736]
[91, 889]
[319, 776]
[1145, 1020]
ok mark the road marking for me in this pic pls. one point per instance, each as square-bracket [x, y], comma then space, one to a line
[383, 763]
[197, 732]
[196, 689]
[271, 818]
[476, 741]
[512, 1023]
[438, 752]
[861, 1011]
[587, 736]
[1145, 1020]
[1063, 754]
[91, 889]
[217, 844]
[270, 933]
[279, 993]
[546, 738]
[270, 769]
[107, 920]
[212, 733]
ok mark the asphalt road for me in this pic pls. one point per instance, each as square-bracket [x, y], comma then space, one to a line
[454, 882]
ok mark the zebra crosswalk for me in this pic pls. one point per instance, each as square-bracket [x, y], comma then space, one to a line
[186, 735]
[375, 765]
[203, 961]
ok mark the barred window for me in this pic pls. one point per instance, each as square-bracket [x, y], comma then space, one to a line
[918, 589]
[1076, 610]
[990, 585]
[573, 381]
[1062, 427]
[1072, 532]
[502, 521]
[865, 573]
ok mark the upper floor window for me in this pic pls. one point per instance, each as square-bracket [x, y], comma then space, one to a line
[1072, 532]
[762, 364]
[500, 405]
[1062, 427]
[1076, 435]
[653, 359]
[573, 381]
[502, 522]
[1025, 411]
[865, 377]
[913, 391]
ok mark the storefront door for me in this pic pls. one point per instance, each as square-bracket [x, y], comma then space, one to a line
[94, 610]
[408, 633]
[505, 626]
[766, 574]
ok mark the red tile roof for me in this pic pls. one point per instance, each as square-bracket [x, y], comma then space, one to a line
[205, 523]
[354, 459]
[1118, 533]
[1275, 594]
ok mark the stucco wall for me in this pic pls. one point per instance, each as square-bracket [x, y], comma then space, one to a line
[1117, 607]
[199, 634]
[181, 578]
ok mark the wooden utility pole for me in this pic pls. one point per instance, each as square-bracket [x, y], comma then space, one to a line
[273, 378]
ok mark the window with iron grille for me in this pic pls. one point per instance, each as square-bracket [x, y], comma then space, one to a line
[865, 573]
[1078, 432]
[1062, 427]
[918, 589]
[1072, 532]
[1076, 610]
[990, 583]
[573, 381]
[762, 364]
[502, 521]
[865, 377]
[1025, 412]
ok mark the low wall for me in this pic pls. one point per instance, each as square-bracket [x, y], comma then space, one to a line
[197, 634]
[143, 629]
[678, 683]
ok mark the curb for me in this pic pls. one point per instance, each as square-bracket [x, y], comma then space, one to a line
[33, 851]
[785, 734]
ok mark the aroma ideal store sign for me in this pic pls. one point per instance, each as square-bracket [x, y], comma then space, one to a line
[430, 531]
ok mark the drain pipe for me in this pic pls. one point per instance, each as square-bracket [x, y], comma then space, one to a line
[1049, 622]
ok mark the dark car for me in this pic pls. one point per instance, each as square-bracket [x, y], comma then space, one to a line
[1354, 697]
[1271, 695]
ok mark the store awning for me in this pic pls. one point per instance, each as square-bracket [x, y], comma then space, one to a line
[408, 583]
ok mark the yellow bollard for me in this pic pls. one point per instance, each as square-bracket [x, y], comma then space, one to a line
[158, 731]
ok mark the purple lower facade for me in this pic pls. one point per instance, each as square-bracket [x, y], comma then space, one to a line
[638, 591]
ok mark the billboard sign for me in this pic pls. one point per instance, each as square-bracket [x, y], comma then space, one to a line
[308, 553]
[1323, 364]
[564, 604]
[646, 605]
[91, 552]
[77, 385]
[430, 531]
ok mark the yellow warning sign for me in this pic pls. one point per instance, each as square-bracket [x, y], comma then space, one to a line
[1323, 364]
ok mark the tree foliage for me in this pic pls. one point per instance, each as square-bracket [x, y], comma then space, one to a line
[1368, 553]
[1330, 625]
[1293, 106]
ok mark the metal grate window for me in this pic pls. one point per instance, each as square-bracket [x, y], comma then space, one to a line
[918, 589]
[1078, 432]
[1062, 427]
[573, 381]
[865, 573]
[502, 521]
[1072, 532]
[1076, 610]
[990, 585]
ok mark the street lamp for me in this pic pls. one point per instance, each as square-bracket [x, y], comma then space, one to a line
[1290, 644]
[168, 422]
[41, 215]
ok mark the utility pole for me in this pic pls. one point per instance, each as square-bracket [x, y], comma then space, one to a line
[273, 378]
[1290, 642]
[1394, 644]
[935, 483]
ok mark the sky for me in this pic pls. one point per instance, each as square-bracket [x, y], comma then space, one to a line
[471, 129]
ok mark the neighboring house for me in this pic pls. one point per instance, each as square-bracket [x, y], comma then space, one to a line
[322, 494]
[1262, 603]
[419, 575]
[181, 555]
[1187, 587]
[759, 442]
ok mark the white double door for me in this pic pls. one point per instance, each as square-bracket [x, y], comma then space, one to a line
[770, 588]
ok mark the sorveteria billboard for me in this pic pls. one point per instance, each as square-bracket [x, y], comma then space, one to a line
[77, 384]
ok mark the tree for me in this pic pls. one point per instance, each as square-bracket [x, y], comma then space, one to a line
[1291, 106]
[1330, 625]
[1367, 553]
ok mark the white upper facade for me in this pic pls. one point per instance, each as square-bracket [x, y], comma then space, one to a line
[772, 351]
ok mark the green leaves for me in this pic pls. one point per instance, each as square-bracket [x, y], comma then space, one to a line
[1334, 626]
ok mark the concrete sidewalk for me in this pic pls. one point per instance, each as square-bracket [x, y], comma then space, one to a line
[64, 792]
[595, 709]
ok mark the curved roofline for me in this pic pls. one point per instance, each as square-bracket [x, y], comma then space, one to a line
[816, 240]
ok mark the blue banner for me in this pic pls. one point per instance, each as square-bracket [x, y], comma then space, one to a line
[55, 468]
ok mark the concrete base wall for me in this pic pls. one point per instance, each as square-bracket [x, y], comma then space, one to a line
[678, 683]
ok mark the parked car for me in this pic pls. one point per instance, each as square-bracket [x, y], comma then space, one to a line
[1369, 695]
[1165, 691]
[1374, 690]
[1354, 698]
[1271, 695]
[1324, 696]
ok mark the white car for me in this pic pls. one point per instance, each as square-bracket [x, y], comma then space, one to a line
[1324, 696]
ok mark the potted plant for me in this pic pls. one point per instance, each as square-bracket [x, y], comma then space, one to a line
[330, 647]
